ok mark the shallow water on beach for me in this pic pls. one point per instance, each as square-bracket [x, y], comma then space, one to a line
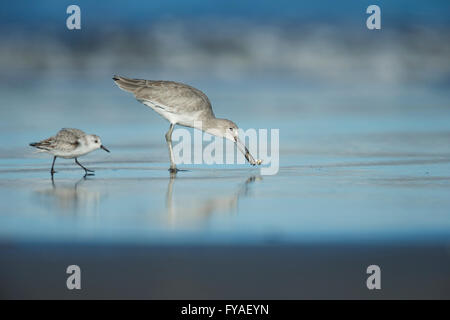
[349, 171]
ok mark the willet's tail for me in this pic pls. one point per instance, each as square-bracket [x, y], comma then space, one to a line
[128, 84]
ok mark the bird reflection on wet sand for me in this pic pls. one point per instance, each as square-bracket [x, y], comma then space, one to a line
[70, 198]
[197, 211]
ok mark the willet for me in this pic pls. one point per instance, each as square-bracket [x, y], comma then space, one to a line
[183, 105]
[70, 144]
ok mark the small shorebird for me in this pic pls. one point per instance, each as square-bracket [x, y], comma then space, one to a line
[69, 144]
[184, 105]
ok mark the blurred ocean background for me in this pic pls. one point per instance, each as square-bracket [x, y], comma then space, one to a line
[364, 119]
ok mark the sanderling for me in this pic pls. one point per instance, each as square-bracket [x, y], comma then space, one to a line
[184, 105]
[69, 144]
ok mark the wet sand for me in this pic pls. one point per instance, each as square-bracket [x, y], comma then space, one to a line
[268, 271]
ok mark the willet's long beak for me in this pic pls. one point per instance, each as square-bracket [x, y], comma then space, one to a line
[245, 151]
[104, 148]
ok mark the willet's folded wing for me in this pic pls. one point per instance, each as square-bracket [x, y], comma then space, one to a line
[173, 97]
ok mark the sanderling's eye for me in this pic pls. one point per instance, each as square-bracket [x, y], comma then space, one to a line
[96, 141]
[231, 129]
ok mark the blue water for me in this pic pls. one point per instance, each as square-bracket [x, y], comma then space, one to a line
[348, 172]
[138, 12]
[363, 119]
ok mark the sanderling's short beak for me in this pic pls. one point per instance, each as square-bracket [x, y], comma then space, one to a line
[104, 148]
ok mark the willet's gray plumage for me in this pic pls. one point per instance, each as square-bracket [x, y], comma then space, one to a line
[184, 105]
[70, 143]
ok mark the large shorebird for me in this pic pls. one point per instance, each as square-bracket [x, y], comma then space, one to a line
[183, 105]
[70, 144]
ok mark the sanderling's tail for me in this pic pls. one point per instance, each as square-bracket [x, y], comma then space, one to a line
[128, 84]
[36, 145]
[42, 146]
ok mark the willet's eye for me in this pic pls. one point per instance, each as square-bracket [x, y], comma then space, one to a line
[231, 129]
[96, 141]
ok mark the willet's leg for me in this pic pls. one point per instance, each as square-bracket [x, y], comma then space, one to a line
[52, 171]
[86, 171]
[173, 167]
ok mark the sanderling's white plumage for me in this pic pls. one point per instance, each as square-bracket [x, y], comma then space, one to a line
[70, 143]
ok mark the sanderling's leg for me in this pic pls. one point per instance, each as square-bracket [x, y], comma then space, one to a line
[52, 171]
[173, 167]
[86, 171]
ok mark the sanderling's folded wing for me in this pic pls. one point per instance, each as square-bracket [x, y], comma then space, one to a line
[70, 134]
[47, 144]
[57, 143]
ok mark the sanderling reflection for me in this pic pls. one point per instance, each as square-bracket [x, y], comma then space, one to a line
[70, 144]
